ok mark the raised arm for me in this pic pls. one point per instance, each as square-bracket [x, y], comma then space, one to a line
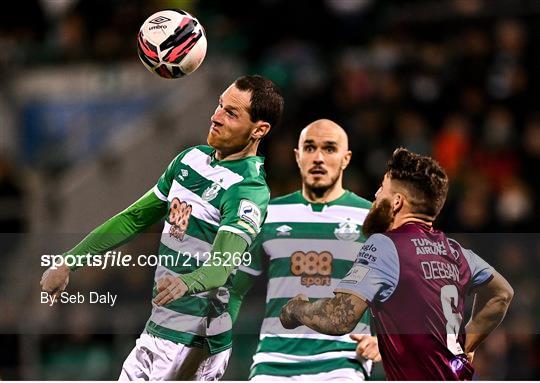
[116, 231]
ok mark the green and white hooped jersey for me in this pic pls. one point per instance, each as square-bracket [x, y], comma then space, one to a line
[204, 196]
[310, 248]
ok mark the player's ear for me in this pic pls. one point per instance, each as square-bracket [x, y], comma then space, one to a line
[346, 160]
[297, 156]
[261, 129]
[397, 202]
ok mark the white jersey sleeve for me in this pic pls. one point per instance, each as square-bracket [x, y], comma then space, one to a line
[375, 273]
[481, 271]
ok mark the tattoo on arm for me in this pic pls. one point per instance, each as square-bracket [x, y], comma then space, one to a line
[332, 316]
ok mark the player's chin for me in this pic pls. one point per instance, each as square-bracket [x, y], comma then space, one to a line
[318, 182]
[213, 139]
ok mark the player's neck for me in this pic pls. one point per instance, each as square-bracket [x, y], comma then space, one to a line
[248, 151]
[402, 219]
[329, 195]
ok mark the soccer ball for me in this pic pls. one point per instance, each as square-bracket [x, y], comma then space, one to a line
[171, 43]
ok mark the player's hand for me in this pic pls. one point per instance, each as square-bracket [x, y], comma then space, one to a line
[287, 317]
[470, 357]
[169, 288]
[367, 347]
[54, 281]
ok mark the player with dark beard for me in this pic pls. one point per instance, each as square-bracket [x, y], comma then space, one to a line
[415, 281]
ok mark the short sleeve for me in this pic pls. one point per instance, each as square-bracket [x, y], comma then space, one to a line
[481, 271]
[375, 273]
[243, 210]
[163, 185]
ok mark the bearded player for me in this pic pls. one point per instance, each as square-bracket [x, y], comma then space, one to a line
[415, 280]
[310, 239]
[214, 200]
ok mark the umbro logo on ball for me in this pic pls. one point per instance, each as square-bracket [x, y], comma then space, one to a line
[159, 20]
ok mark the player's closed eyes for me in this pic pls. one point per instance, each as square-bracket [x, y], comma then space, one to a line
[231, 113]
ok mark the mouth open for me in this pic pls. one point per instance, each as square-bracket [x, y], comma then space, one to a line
[317, 172]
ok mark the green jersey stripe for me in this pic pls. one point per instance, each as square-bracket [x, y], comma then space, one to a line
[194, 306]
[202, 230]
[178, 263]
[273, 326]
[188, 244]
[314, 335]
[216, 343]
[198, 325]
[249, 270]
[304, 368]
[239, 232]
[159, 194]
[311, 230]
[302, 347]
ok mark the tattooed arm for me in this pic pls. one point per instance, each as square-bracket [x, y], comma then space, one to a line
[332, 316]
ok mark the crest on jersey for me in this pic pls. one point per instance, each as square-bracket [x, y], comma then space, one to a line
[211, 192]
[347, 231]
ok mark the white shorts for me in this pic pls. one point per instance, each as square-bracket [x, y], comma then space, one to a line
[341, 374]
[155, 358]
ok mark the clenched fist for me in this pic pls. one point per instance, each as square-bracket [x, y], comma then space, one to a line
[287, 318]
[367, 347]
[169, 288]
[54, 281]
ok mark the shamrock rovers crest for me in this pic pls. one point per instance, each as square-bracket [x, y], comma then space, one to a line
[347, 231]
[211, 192]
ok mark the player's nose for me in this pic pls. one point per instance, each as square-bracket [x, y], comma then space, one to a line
[217, 116]
[216, 119]
[319, 157]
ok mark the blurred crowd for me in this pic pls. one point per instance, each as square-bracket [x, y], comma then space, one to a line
[455, 79]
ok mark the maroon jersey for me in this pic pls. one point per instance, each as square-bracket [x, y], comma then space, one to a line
[415, 280]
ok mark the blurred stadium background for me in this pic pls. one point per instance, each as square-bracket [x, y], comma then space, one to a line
[85, 130]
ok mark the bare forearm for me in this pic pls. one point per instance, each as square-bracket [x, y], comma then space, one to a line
[336, 316]
[484, 320]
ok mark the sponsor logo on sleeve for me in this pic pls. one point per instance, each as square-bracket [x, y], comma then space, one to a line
[356, 274]
[250, 213]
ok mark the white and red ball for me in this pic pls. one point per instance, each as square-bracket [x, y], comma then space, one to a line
[171, 43]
